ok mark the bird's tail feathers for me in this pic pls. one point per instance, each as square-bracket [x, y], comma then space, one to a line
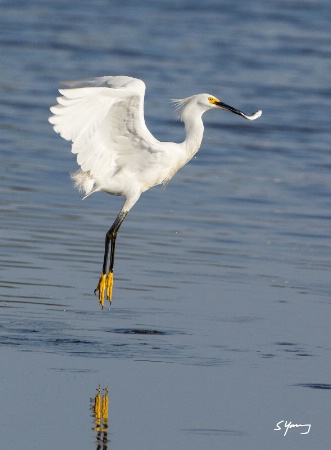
[84, 182]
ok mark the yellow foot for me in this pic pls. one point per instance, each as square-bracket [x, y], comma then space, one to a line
[109, 286]
[101, 288]
[105, 283]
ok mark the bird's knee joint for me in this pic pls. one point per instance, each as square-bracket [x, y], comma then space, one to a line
[111, 235]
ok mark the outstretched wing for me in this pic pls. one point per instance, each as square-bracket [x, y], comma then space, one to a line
[104, 119]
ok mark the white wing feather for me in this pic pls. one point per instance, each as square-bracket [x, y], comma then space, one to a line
[104, 119]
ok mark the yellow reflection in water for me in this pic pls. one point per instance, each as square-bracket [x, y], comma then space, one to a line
[99, 407]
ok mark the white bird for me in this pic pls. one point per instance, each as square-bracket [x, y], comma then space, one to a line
[104, 119]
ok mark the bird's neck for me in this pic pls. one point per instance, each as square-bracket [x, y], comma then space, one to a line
[194, 133]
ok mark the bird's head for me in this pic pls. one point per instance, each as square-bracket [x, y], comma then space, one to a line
[208, 101]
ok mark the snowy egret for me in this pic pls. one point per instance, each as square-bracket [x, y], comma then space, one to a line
[104, 119]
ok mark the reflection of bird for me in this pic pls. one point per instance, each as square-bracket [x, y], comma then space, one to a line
[104, 119]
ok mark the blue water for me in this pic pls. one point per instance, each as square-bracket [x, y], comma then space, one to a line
[219, 327]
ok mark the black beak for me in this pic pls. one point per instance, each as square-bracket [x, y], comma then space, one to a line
[229, 108]
[236, 111]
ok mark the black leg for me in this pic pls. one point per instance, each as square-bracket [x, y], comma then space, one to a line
[106, 281]
[112, 253]
[105, 257]
[111, 238]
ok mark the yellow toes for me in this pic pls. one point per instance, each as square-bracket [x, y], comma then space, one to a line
[109, 286]
[101, 288]
[105, 284]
